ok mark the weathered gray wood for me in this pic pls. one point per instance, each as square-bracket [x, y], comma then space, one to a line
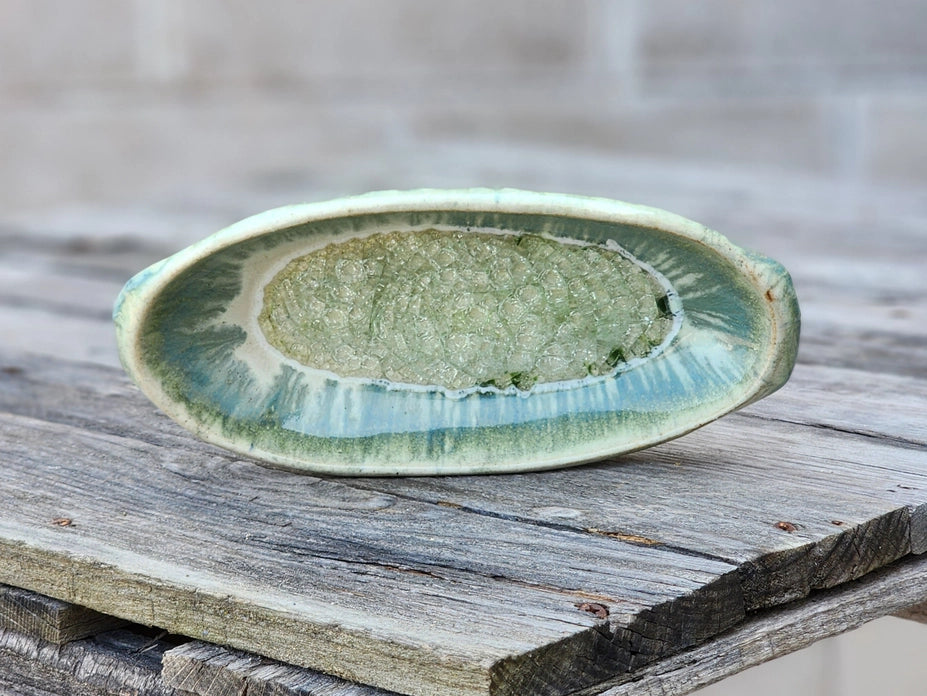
[868, 404]
[43, 332]
[690, 495]
[642, 497]
[209, 670]
[63, 292]
[815, 472]
[59, 293]
[100, 256]
[204, 669]
[848, 519]
[363, 585]
[778, 632]
[762, 491]
[50, 619]
[112, 664]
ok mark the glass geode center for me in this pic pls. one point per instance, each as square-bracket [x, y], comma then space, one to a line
[462, 310]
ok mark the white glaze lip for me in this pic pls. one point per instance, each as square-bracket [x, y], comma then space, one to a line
[362, 441]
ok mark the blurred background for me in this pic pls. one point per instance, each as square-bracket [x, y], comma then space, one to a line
[208, 111]
[167, 119]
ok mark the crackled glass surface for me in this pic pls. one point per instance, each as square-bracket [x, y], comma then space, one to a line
[461, 310]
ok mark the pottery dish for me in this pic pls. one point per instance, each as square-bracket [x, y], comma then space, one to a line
[449, 332]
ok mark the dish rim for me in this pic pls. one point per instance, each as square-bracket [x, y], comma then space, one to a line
[768, 276]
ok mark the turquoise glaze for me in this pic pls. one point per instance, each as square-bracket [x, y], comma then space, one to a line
[189, 336]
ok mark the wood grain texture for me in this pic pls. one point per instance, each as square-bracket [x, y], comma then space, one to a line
[778, 632]
[210, 670]
[57, 295]
[112, 664]
[807, 459]
[678, 542]
[402, 582]
[851, 510]
[50, 619]
[363, 584]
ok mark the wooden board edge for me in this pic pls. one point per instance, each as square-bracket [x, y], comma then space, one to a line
[50, 619]
[205, 669]
[114, 663]
[198, 611]
[776, 632]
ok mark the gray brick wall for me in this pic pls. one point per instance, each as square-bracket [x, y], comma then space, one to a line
[112, 101]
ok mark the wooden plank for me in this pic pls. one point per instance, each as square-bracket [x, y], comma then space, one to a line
[845, 447]
[56, 293]
[407, 596]
[625, 499]
[101, 256]
[863, 302]
[38, 283]
[112, 664]
[778, 632]
[850, 505]
[50, 619]
[875, 350]
[209, 670]
[45, 332]
[665, 495]
[876, 335]
[689, 494]
[789, 533]
[204, 669]
[868, 275]
[875, 405]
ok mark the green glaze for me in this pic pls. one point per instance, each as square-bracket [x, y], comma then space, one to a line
[438, 332]
[457, 310]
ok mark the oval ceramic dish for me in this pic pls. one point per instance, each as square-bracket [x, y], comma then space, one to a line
[440, 332]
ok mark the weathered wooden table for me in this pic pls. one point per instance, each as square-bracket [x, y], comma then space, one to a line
[800, 517]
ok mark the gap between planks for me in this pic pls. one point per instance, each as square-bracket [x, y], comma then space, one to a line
[778, 632]
[50, 619]
[113, 663]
